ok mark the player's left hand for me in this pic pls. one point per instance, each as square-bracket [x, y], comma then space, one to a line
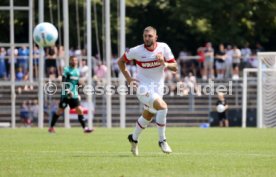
[161, 58]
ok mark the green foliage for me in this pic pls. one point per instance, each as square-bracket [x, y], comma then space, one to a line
[183, 24]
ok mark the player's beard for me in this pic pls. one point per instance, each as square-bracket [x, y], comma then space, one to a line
[149, 43]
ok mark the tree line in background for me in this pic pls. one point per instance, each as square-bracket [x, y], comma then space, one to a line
[183, 24]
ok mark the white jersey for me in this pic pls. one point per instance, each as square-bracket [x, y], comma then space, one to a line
[149, 69]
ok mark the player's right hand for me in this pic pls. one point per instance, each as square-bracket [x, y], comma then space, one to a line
[69, 93]
[133, 83]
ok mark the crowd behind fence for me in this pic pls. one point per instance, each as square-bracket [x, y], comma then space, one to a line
[209, 63]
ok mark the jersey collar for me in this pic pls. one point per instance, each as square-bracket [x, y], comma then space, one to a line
[155, 46]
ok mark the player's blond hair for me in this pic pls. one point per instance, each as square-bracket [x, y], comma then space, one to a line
[150, 28]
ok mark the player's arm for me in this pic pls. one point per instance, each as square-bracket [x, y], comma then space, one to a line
[65, 82]
[226, 105]
[170, 65]
[122, 65]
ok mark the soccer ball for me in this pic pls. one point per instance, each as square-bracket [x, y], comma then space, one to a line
[220, 108]
[45, 34]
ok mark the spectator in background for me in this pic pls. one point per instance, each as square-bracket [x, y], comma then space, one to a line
[259, 47]
[115, 67]
[236, 62]
[220, 62]
[172, 78]
[34, 111]
[84, 70]
[222, 116]
[19, 74]
[182, 62]
[228, 62]
[60, 60]
[71, 52]
[200, 53]
[50, 61]
[24, 114]
[35, 60]
[3, 73]
[209, 61]
[23, 56]
[132, 68]
[8, 61]
[253, 61]
[100, 73]
[245, 55]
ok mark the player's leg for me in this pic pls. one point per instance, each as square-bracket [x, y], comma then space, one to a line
[161, 119]
[74, 103]
[82, 120]
[142, 123]
[62, 105]
[54, 119]
[226, 122]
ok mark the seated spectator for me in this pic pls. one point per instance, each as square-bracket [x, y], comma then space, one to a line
[100, 73]
[132, 68]
[34, 111]
[84, 70]
[172, 78]
[115, 67]
[24, 114]
[189, 86]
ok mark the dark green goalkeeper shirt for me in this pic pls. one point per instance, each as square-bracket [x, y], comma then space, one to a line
[71, 77]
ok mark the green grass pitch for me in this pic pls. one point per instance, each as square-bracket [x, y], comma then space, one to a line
[197, 152]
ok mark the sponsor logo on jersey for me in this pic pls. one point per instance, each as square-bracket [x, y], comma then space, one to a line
[74, 78]
[149, 64]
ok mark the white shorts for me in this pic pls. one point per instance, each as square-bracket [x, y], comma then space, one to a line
[147, 98]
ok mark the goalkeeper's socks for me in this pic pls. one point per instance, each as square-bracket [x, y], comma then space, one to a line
[82, 121]
[141, 124]
[54, 119]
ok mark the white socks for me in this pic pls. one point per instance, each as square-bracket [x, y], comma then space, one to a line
[141, 124]
[161, 119]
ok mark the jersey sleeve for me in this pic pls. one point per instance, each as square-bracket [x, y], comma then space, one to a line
[169, 57]
[130, 54]
[65, 72]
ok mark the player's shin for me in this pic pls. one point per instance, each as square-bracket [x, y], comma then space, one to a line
[82, 121]
[141, 124]
[161, 118]
[54, 120]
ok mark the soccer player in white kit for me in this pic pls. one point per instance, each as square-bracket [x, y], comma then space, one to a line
[151, 58]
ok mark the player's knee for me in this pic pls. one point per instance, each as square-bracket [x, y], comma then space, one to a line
[59, 112]
[79, 110]
[160, 104]
[147, 115]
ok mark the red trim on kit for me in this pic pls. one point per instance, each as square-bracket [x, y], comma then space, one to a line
[125, 57]
[160, 125]
[140, 125]
[171, 60]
